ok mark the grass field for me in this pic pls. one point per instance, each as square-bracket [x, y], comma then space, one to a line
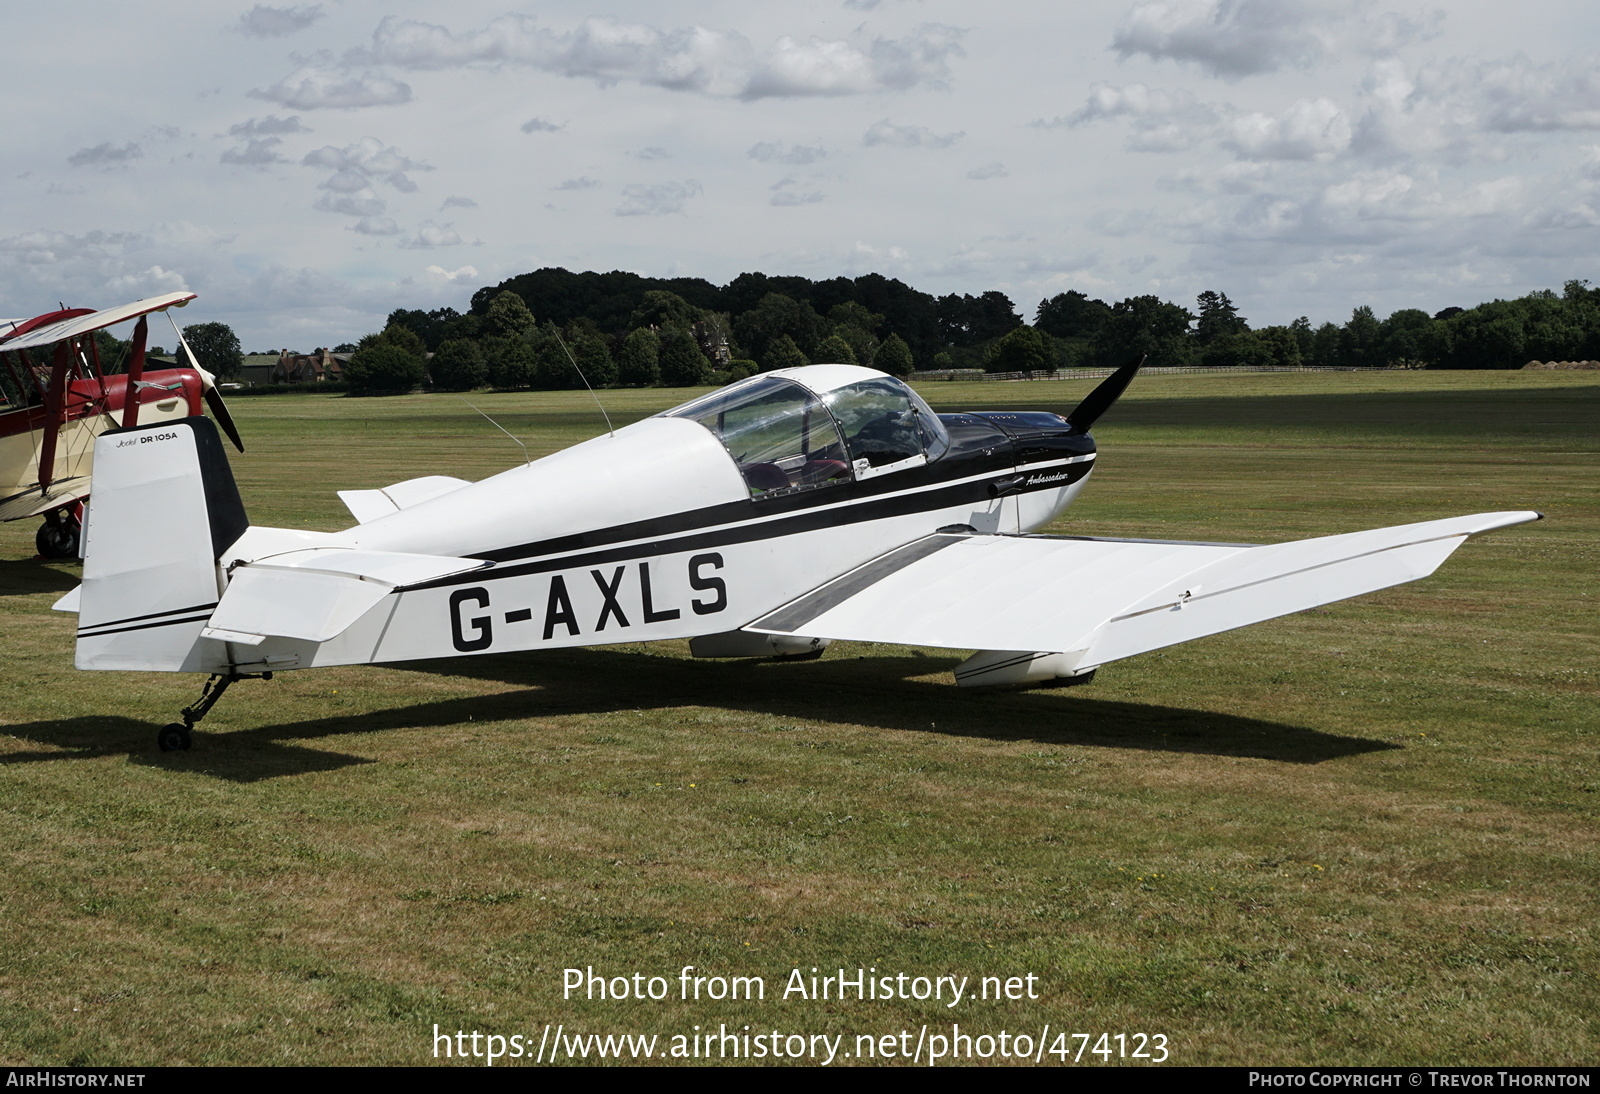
[1365, 834]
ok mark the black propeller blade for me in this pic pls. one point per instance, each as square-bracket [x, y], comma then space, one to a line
[1098, 401]
[219, 411]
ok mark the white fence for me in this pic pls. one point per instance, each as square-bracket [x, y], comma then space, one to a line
[1099, 373]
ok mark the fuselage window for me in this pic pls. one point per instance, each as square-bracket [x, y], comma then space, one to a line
[782, 438]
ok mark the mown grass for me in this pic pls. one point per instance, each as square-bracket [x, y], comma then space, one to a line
[1365, 834]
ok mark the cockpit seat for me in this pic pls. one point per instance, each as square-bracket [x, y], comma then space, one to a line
[815, 471]
[765, 476]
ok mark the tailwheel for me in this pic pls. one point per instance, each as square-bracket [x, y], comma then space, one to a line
[174, 737]
[178, 736]
[58, 536]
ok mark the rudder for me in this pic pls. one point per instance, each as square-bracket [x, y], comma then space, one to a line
[164, 508]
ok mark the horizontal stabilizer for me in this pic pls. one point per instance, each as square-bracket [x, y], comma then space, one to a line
[1108, 598]
[315, 594]
[369, 505]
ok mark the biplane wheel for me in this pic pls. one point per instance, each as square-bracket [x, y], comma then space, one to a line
[58, 539]
[174, 738]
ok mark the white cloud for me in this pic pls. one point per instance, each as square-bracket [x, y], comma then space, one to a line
[542, 125]
[432, 235]
[361, 204]
[1236, 38]
[658, 199]
[582, 183]
[270, 126]
[1175, 121]
[366, 161]
[105, 154]
[264, 22]
[783, 196]
[695, 58]
[311, 88]
[1309, 129]
[456, 201]
[43, 247]
[989, 171]
[376, 226]
[255, 153]
[651, 154]
[147, 282]
[795, 155]
[907, 136]
[464, 273]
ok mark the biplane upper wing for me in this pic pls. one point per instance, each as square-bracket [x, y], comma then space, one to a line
[1105, 599]
[72, 327]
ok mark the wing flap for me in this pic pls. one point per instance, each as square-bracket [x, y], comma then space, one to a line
[1108, 598]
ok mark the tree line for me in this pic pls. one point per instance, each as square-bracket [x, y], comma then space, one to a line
[540, 329]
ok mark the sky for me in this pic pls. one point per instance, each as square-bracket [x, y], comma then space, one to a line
[306, 169]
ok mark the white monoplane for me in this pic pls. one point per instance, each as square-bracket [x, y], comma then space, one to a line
[764, 519]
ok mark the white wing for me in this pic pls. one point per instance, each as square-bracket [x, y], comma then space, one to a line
[1104, 599]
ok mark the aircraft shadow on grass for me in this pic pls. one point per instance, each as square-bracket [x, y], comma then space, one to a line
[23, 577]
[880, 692]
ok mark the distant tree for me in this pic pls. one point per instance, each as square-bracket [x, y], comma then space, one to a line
[682, 363]
[1304, 337]
[433, 327]
[1325, 347]
[588, 347]
[114, 352]
[1144, 326]
[383, 369]
[217, 347]
[967, 320]
[342, 347]
[639, 358]
[1241, 349]
[834, 350]
[508, 316]
[943, 360]
[1283, 344]
[511, 362]
[777, 316]
[783, 353]
[740, 370]
[861, 342]
[894, 357]
[1022, 350]
[1407, 335]
[399, 337]
[1218, 318]
[1071, 314]
[852, 314]
[1361, 341]
[458, 365]
[664, 309]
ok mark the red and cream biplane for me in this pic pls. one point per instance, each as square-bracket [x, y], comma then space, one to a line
[57, 396]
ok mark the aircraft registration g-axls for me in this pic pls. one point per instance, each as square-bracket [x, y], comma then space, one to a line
[764, 519]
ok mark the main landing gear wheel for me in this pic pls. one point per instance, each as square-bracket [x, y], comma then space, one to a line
[175, 738]
[57, 537]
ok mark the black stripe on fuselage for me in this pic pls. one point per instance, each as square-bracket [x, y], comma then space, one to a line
[758, 524]
[136, 618]
[145, 626]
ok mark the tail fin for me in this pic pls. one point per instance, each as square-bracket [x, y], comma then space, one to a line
[164, 508]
